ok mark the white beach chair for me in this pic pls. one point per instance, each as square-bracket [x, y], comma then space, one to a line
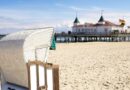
[23, 60]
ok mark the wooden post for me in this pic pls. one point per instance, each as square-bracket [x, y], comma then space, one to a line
[55, 71]
[104, 39]
[0, 82]
[75, 38]
[60, 39]
[56, 77]
[109, 39]
[96, 38]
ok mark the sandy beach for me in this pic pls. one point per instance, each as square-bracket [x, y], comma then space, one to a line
[93, 65]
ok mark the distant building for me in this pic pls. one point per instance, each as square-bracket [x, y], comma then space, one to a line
[128, 29]
[102, 27]
[1, 36]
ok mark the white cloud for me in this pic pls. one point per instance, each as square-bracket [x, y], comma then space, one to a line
[13, 20]
[60, 5]
[77, 8]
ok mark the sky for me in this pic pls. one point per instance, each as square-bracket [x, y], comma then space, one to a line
[18, 15]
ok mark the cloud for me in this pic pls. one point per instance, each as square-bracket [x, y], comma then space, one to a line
[93, 14]
[77, 8]
[74, 8]
[62, 28]
[59, 5]
[15, 20]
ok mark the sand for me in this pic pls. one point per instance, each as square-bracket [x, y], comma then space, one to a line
[93, 65]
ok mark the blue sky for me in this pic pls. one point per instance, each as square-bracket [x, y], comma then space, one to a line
[21, 14]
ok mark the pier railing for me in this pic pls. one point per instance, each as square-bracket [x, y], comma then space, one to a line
[74, 37]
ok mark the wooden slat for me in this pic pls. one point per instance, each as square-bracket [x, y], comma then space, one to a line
[49, 65]
[36, 63]
[37, 74]
[55, 77]
[28, 70]
[55, 69]
[42, 88]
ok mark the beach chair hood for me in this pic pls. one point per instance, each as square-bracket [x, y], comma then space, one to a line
[18, 48]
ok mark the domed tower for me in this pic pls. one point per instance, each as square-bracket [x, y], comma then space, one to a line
[76, 21]
[101, 20]
[75, 24]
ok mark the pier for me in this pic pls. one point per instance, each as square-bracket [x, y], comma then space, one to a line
[121, 37]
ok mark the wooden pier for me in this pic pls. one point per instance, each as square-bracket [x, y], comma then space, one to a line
[61, 38]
